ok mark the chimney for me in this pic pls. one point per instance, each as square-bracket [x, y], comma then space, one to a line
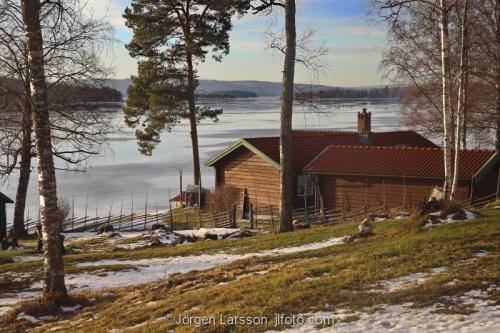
[365, 127]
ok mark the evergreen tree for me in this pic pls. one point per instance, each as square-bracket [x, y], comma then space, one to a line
[170, 38]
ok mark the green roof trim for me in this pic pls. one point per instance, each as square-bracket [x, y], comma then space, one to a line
[238, 144]
[487, 167]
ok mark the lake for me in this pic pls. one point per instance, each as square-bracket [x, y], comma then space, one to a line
[120, 172]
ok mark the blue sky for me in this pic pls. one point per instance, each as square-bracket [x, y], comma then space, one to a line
[354, 45]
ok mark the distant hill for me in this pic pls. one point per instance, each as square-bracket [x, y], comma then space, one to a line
[227, 94]
[260, 88]
[372, 92]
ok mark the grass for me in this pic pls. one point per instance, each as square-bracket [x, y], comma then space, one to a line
[338, 277]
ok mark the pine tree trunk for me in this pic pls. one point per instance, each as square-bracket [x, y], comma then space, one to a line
[462, 98]
[24, 167]
[286, 174]
[54, 287]
[193, 121]
[445, 67]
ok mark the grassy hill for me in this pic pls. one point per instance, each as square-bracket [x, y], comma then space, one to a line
[447, 275]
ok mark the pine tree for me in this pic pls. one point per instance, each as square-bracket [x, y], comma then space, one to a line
[170, 38]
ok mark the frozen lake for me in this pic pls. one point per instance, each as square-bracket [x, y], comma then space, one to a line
[110, 179]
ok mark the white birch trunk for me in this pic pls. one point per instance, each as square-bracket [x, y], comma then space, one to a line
[462, 98]
[445, 68]
[54, 287]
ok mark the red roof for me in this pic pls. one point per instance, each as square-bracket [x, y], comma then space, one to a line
[395, 161]
[308, 144]
[179, 197]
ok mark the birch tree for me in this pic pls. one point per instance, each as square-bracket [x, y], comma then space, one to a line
[72, 43]
[446, 95]
[462, 96]
[398, 14]
[54, 286]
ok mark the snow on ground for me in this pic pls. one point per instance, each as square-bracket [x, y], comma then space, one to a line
[406, 281]
[154, 269]
[449, 218]
[403, 319]
[7, 302]
[203, 231]
[28, 258]
[91, 234]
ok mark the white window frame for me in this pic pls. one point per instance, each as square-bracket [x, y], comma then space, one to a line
[305, 184]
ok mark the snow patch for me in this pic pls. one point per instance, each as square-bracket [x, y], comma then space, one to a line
[200, 233]
[71, 308]
[406, 281]
[154, 269]
[29, 318]
[402, 319]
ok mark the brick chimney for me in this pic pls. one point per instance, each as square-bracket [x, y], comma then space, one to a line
[365, 127]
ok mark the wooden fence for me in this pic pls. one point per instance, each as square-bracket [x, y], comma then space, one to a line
[189, 218]
[193, 218]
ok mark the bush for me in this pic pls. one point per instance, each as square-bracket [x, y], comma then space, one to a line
[223, 198]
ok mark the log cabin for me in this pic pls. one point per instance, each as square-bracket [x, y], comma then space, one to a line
[3, 217]
[351, 178]
[252, 164]
[349, 170]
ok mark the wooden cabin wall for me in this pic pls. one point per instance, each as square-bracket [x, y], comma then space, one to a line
[488, 184]
[247, 170]
[349, 191]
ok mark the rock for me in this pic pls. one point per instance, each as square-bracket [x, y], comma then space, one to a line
[365, 227]
[187, 238]
[240, 234]
[106, 228]
[158, 227]
[460, 215]
[432, 206]
[161, 237]
[349, 239]
[211, 236]
[113, 235]
[299, 226]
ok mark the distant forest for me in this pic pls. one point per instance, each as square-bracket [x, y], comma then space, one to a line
[227, 94]
[87, 94]
[386, 92]
[64, 93]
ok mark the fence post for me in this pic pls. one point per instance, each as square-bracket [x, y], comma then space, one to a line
[96, 214]
[170, 206]
[233, 217]
[256, 209]
[498, 184]
[109, 212]
[73, 214]
[251, 215]
[404, 192]
[383, 191]
[86, 211]
[305, 199]
[121, 214]
[146, 210]
[132, 212]
[366, 194]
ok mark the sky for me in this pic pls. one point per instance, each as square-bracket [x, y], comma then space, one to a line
[354, 44]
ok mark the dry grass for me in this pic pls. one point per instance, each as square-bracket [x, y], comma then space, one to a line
[337, 277]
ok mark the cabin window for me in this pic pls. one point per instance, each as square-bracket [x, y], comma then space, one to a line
[305, 185]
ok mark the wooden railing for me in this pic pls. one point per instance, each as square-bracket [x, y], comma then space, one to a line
[189, 218]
